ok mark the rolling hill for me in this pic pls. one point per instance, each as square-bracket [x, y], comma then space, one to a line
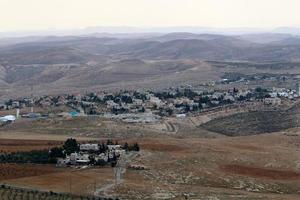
[55, 63]
[58, 50]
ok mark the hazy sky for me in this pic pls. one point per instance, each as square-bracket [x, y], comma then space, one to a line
[68, 14]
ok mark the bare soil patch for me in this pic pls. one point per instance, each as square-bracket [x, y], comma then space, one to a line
[161, 147]
[11, 145]
[80, 182]
[245, 147]
[13, 171]
[258, 172]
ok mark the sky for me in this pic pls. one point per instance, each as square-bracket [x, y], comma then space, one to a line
[17, 15]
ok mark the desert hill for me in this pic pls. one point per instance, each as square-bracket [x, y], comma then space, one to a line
[54, 63]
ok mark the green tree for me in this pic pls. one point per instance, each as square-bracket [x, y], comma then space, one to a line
[71, 146]
[126, 147]
[101, 162]
[56, 152]
[136, 147]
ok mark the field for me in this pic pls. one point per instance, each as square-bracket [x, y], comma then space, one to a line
[9, 145]
[196, 166]
[81, 127]
[189, 162]
[8, 192]
[13, 171]
[80, 182]
[250, 167]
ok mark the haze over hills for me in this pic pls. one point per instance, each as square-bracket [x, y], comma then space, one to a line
[130, 31]
[170, 46]
[67, 63]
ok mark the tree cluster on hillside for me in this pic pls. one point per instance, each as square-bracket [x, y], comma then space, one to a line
[70, 146]
[134, 147]
[39, 157]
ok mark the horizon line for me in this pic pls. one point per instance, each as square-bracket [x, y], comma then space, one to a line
[147, 29]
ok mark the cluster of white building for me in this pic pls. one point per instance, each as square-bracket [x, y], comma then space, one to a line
[278, 93]
[283, 92]
[83, 157]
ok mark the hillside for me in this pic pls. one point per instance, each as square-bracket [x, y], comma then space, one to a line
[58, 50]
[72, 63]
[173, 45]
[255, 122]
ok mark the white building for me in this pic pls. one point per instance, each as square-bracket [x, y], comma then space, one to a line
[114, 147]
[155, 101]
[272, 101]
[229, 97]
[77, 158]
[181, 115]
[112, 104]
[137, 102]
[88, 147]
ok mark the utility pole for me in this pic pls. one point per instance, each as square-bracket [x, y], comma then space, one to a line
[70, 184]
[31, 88]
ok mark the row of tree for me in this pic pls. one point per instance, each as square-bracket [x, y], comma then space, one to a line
[50, 156]
[39, 157]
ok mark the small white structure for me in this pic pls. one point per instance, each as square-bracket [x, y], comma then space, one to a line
[273, 94]
[155, 101]
[8, 118]
[18, 113]
[181, 115]
[62, 162]
[114, 147]
[111, 104]
[229, 97]
[272, 101]
[77, 158]
[283, 94]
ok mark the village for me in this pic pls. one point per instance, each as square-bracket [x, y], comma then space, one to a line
[144, 106]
